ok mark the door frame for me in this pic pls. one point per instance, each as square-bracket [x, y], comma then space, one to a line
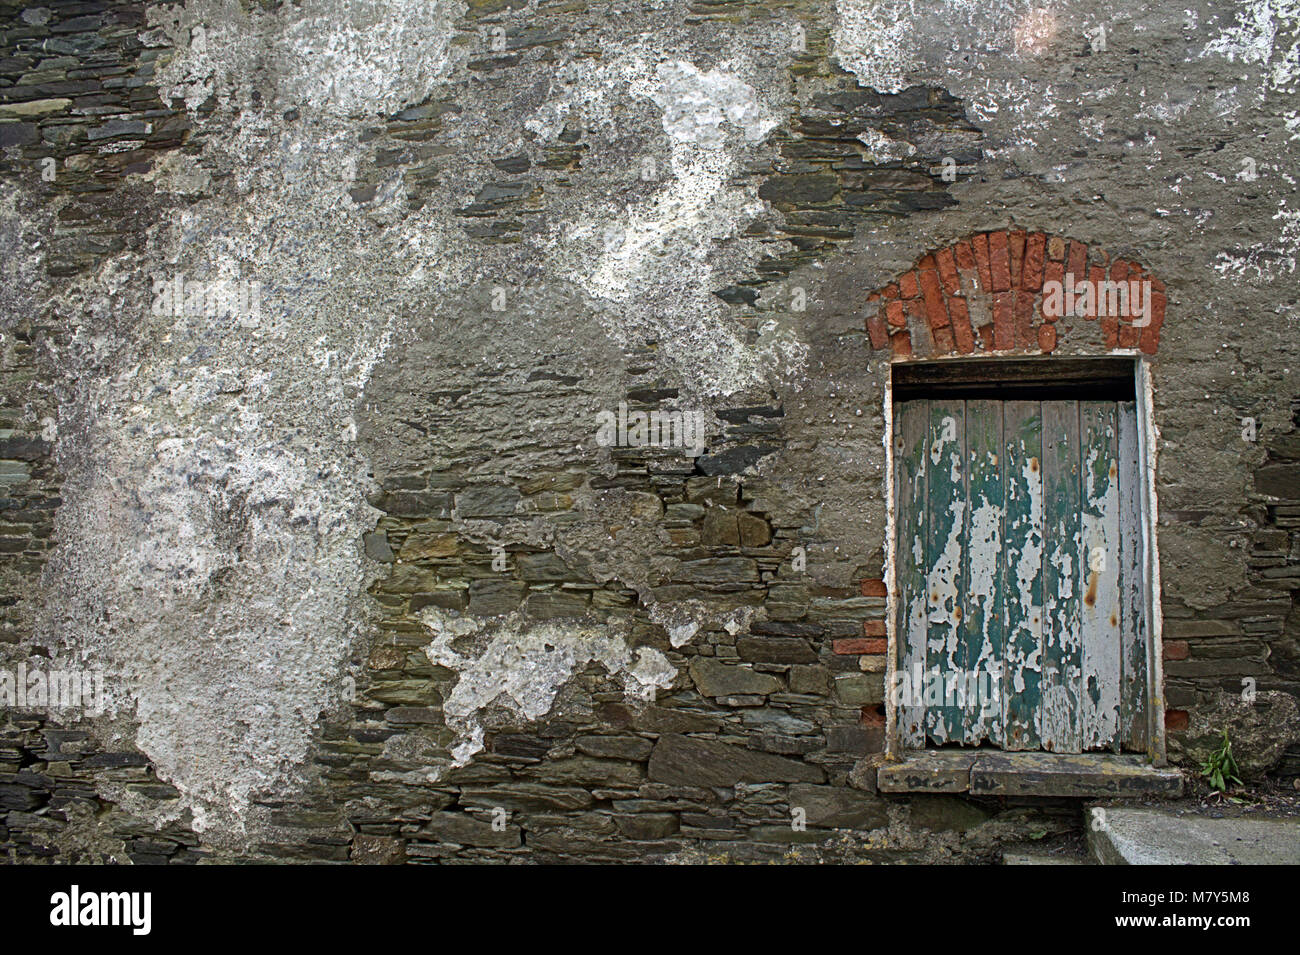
[1148, 441]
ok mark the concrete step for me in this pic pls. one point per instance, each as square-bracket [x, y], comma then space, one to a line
[1150, 836]
[1040, 858]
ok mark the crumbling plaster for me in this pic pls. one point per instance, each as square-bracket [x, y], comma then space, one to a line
[217, 475]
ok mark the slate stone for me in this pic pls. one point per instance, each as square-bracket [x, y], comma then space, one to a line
[717, 570]
[656, 719]
[543, 567]
[586, 771]
[487, 501]
[733, 460]
[526, 797]
[717, 679]
[492, 598]
[466, 830]
[560, 603]
[946, 813]
[1279, 480]
[18, 134]
[836, 807]
[810, 679]
[861, 689]
[720, 528]
[754, 531]
[615, 747]
[377, 547]
[647, 826]
[737, 295]
[775, 650]
[686, 761]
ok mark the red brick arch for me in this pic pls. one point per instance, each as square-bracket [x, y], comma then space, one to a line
[985, 295]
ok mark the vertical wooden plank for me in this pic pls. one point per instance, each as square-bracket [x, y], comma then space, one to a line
[1023, 573]
[911, 426]
[1133, 636]
[1062, 578]
[981, 627]
[1100, 613]
[947, 508]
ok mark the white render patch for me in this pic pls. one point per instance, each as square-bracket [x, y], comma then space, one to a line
[208, 551]
[653, 265]
[345, 57]
[683, 619]
[522, 667]
[1266, 32]
[874, 39]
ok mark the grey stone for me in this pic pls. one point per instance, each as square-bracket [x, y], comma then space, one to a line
[615, 747]
[685, 761]
[487, 501]
[377, 547]
[465, 830]
[543, 567]
[837, 807]
[644, 827]
[775, 650]
[717, 679]
[717, 570]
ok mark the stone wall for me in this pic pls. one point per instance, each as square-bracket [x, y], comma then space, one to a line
[361, 579]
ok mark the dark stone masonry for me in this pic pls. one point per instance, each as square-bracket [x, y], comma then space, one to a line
[359, 581]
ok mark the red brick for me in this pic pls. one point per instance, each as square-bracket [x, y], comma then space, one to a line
[981, 245]
[1176, 719]
[853, 646]
[935, 308]
[876, 646]
[1056, 248]
[1052, 272]
[1110, 331]
[1031, 277]
[927, 262]
[1003, 322]
[874, 628]
[1128, 336]
[1016, 242]
[1150, 338]
[986, 336]
[901, 345]
[1077, 263]
[890, 291]
[1119, 271]
[894, 314]
[915, 309]
[965, 256]
[948, 271]
[999, 261]
[1096, 275]
[944, 343]
[873, 716]
[1024, 306]
[962, 333]
[907, 285]
[1047, 338]
[874, 587]
[877, 331]
[1176, 650]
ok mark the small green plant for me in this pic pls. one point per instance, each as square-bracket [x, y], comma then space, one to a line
[1221, 769]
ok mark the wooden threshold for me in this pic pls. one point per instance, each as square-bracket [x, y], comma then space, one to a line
[998, 773]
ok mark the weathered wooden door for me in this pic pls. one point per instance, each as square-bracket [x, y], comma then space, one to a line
[1019, 572]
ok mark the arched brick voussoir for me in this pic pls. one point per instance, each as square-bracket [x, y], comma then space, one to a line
[1018, 292]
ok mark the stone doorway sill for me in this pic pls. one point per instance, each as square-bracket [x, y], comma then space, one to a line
[996, 773]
